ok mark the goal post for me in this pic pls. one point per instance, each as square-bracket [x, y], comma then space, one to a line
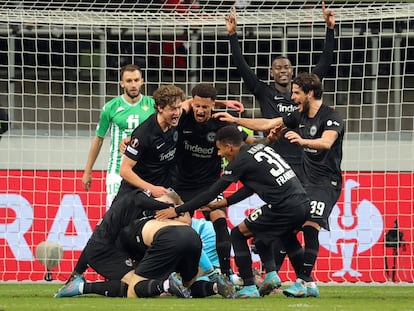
[60, 61]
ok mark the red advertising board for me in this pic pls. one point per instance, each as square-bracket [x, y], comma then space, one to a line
[51, 205]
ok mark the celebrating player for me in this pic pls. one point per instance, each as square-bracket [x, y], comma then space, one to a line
[320, 132]
[197, 159]
[263, 171]
[149, 157]
[275, 99]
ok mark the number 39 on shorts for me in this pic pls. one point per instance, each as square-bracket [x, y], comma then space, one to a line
[317, 208]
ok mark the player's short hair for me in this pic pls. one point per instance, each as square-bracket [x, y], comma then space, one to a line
[172, 197]
[230, 134]
[204, 90]
[129, 67]
[167, 95]
[309, 82]
[280, 57]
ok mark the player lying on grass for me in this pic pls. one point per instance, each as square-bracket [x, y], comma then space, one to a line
[153, 274]
[172, 249]
[101, 253]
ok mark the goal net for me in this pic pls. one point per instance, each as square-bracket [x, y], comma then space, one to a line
[60, 61]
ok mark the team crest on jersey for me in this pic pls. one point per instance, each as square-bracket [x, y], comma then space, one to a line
[134, 143]
[128, 262]
[211, 136]
[332, 122]
[175, 136]
[313, 130]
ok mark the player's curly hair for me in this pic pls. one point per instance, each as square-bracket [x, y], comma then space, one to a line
[230, 134]
[309, 82]
[167, 95]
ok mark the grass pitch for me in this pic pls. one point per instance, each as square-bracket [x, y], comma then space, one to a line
[34, 297]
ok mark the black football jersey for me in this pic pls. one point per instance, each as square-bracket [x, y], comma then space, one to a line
[274, 104]
[262, 170]
[154, 151]
[320, 165]
[198, 164]
[124, 210]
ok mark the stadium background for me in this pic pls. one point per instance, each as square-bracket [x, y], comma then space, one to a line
[59, 63]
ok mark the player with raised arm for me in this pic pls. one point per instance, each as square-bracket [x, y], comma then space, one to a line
[4, 121]
[320, 133]
[121, 116]
[262, 171]
[275, 99]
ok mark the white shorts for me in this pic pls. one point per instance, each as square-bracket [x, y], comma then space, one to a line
[113, 182]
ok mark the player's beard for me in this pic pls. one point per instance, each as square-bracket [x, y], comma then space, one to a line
[305, 106]
[131, 95]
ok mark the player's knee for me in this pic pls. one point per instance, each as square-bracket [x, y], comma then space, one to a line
[260, 245]
[217, 215]
[310, 223]
[236, 234]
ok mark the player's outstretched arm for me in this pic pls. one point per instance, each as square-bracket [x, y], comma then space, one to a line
[324, 64]
[231, 22]
[259, 124]
[233, 104]
[328, 16]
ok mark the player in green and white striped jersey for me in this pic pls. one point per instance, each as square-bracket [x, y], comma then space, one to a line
[121, 116]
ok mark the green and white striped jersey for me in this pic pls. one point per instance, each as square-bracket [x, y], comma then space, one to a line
[122, 118]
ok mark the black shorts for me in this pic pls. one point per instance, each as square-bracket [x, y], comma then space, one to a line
[268, 222]
[297, 168]
[174, 249]
[108, 260]
[322, 200]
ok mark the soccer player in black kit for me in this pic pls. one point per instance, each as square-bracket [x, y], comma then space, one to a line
[275, 99]
[262, 171]
[106, 257]
[149, 157]
[169, 246]
[196, 159]
[320, 132]
[198, 164]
